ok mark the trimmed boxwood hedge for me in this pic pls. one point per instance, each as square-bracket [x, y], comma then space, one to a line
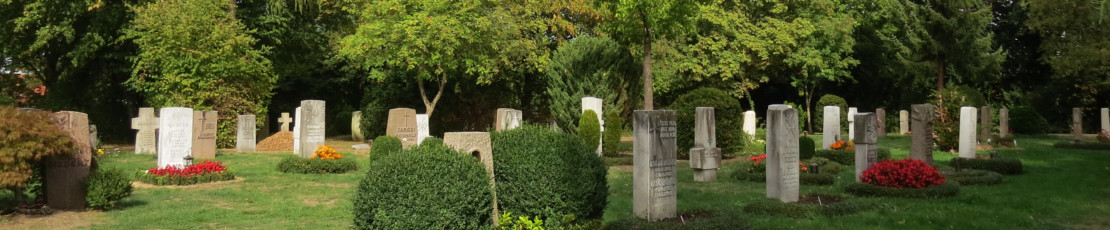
[545, 174]
[942, 190]
[804, 178]
[768, 207]
[806, 147]
[973, 177]
[425, 187]
[1006, 166]
[1082, 145]
[306, 166]
[198, 179]
[384, 145]
[847, 157]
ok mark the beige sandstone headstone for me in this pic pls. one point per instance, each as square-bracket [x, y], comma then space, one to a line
[478, 145]
[204, 134]
[146, 139]
[402, 125]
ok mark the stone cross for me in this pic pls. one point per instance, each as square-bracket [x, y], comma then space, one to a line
[593, 103]
[831, 129]
[66, 174]
[356, 126]
[175, 136]
[968, 117]
[1105, 115]
[312, 126]
[852, 111]
[507, 119]
[245, 134]
[285, 120]
[880, 114]
[1077, 124]
[705, 157]
[204, 134]
[1003, 122]
[402, 125]
[984, 124]
[423, 129]
[654, 164]
[749, 124]
[921, 147]
[903, 122]
[783, 172]
[867, 149]
[478, 145]
[297, 131]
[147, 124]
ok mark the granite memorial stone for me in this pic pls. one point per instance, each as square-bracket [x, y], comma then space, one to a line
[654, 165]
[968, 117]
[985, 124]
[903, 122]
[175, 136]
[1077, 124]
[783, 172]
[852, 111]
[423, 131]
[478, 145]
[880, 115]
[705, 157]
[312, 126]
[867, 148]
[65, 175]
[285, 120]
[921, 147]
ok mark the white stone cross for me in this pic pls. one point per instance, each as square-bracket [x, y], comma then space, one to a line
[285, 120]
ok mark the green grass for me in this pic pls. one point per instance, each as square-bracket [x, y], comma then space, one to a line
[1060, 189]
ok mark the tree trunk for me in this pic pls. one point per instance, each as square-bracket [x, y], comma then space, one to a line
[648, 100]
[809, 112]
[231, 5]
[430, 106]
[940, 75]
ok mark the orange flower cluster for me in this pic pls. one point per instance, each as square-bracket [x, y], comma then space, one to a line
[325, 152]
[843, 145]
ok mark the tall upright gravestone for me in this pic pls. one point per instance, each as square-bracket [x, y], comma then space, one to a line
[297, 131]
[985, 124]
[968, 117]
[175, 136]
[705, 157]
[507, 119]
[1077, 124]
[356, 126]
[66, 174]
[402, 125]
[867, 139]
[749, 123]
[1003, 122]
[903, 122]
[423, 130]
[783, 172]
[204, 134]
[852, 111]
[654, 165]
[921, 147]
[831, 126]
[312, 126]
[245, 134]
[146, 140]
[1105, 115]
[880, 116]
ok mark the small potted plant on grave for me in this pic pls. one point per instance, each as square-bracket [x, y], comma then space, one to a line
[324, 160]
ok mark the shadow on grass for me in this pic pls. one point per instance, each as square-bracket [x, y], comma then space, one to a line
[129, 203]
[688, 219]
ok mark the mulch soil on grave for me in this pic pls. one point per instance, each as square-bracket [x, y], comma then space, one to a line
[281, 141]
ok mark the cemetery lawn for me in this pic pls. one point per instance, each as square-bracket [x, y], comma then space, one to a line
[1060, 189]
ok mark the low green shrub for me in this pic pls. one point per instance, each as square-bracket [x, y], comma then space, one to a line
[935, 191]
[540, 172]
[567, 222]
[1082, 145]
[847, 157]
[425, 187]
[830, 100]
[1031, 121]
[1006, 166]
[806, 147]
[384, 145]
[769, 207]
[107, 186]
[432, 141]
[307, 166]
[974, 177]
[589, 129]
[611, 139]
[824, 165]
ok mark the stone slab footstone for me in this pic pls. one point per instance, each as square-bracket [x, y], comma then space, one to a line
[903, 122]
[146, 141]
[867, 148]
[880, 115]
[245, 139]
[985, 124]
[852, 111]
[1077, 124]
[204, 134]
[921, 147]
[478, 145]
[507, 119]
[423, 129]
[1003, 122]
[783, 172]
[175, 136]
[654, 164]
[968, 120]
[402, 125]
[65, 175]
[356, 127]
[705, 157]
[312, 126]
[831, 126]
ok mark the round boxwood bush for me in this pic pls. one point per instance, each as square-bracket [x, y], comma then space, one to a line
[545, 174]
[974, 177]
[432, 141]
[612, 136]
[426, 187]
[830, 100]
[384, 145]
[306, 166]
[589, 129]
[1007, 166]
[806, 147]
[105, 187]
[726, 110]
[1031, 121]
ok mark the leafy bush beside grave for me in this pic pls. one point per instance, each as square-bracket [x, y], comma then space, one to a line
[757, 172]
[947, 124]
[589, 129]
[105, 187]
[1026, 120]
[1007, 166]
[846, 157]
[28, 137]
[324, 160]
[426, 187]
[611, 139]
[729, 120]
[806, 147]
[204, 172]
[819, 117]
[518, 222]
[383, 146]
[545, 174]
[974, 177]
[769, 207]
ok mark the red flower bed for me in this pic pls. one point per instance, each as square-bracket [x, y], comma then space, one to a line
[905, 173]
[191, 170]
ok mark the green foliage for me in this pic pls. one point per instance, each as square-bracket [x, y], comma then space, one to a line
[950, 42]
[1007, 166]
[589, 129]
[426, 187]
[26, 138]
[758, 173]
[106, 187]
[847, 157]
[947, 124]
[507, 222]
[769, 207]
[824, 165]
[384, 146]
[974, 177]
[935, 191]
[806, 147]
[1026, 120]
[540, 172]
[830, 100]
[611, 139]
[321, 166]
[432, 141]
[729, 120]
[176, 180]
[591, 67]
[193, 53]
[1079, 56]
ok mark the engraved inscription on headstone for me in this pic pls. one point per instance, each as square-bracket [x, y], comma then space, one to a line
[147, 124]
[66, 174]
[245, 139]
[654, 164]
[831, 126]
[423, 129]
[402, 125]
[921, 147]
[175, 136]
[783, 172]
[705, 157]
[867, 149]
[204, 134]
[312, 126]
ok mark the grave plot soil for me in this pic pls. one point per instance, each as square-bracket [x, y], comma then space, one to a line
[58, 220]
[819, 199]
[281, 141]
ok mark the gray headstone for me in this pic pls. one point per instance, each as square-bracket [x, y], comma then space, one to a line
[244, 137]
[507, 119]
[297, 131]
[478, 145]
[402, 125]
[867, 148]
[749, 123]
[356, 126]
[65, 175]
[423, 131]
[881, 126]
[783, 172]
[94, 138]
[921, 147]
[147, 124]
[654, 165]
[903, 122]
[285, 120]
[831, 126]
[175, 136]
[705, 157]
[985, 124]
[1077, 124]
[204, 134]
[968, 118]
[1105, 113]
[312, 126]
[1003, 122]
[851, 123]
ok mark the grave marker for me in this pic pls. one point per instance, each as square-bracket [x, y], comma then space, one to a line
[867, 149]
[967, 131]
[297, 131]
[654, 165]
[1105, 113]
[478, 145]
[65, 175]
[851, 123]
[921, 147]
[783, 172]
[984, 124]
[422, 128]
[285, 120]
[147, 124]
[311, 125]
[1077, 124]
[245, 135]
[356, 126]
[880, 116]
[903, 122]
[1003, 122]
[593, 103]
[831, 126]
[402, 125]
[204, 134]
[749, 123]
[175, 136]
[507, 119]
[705, 157]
